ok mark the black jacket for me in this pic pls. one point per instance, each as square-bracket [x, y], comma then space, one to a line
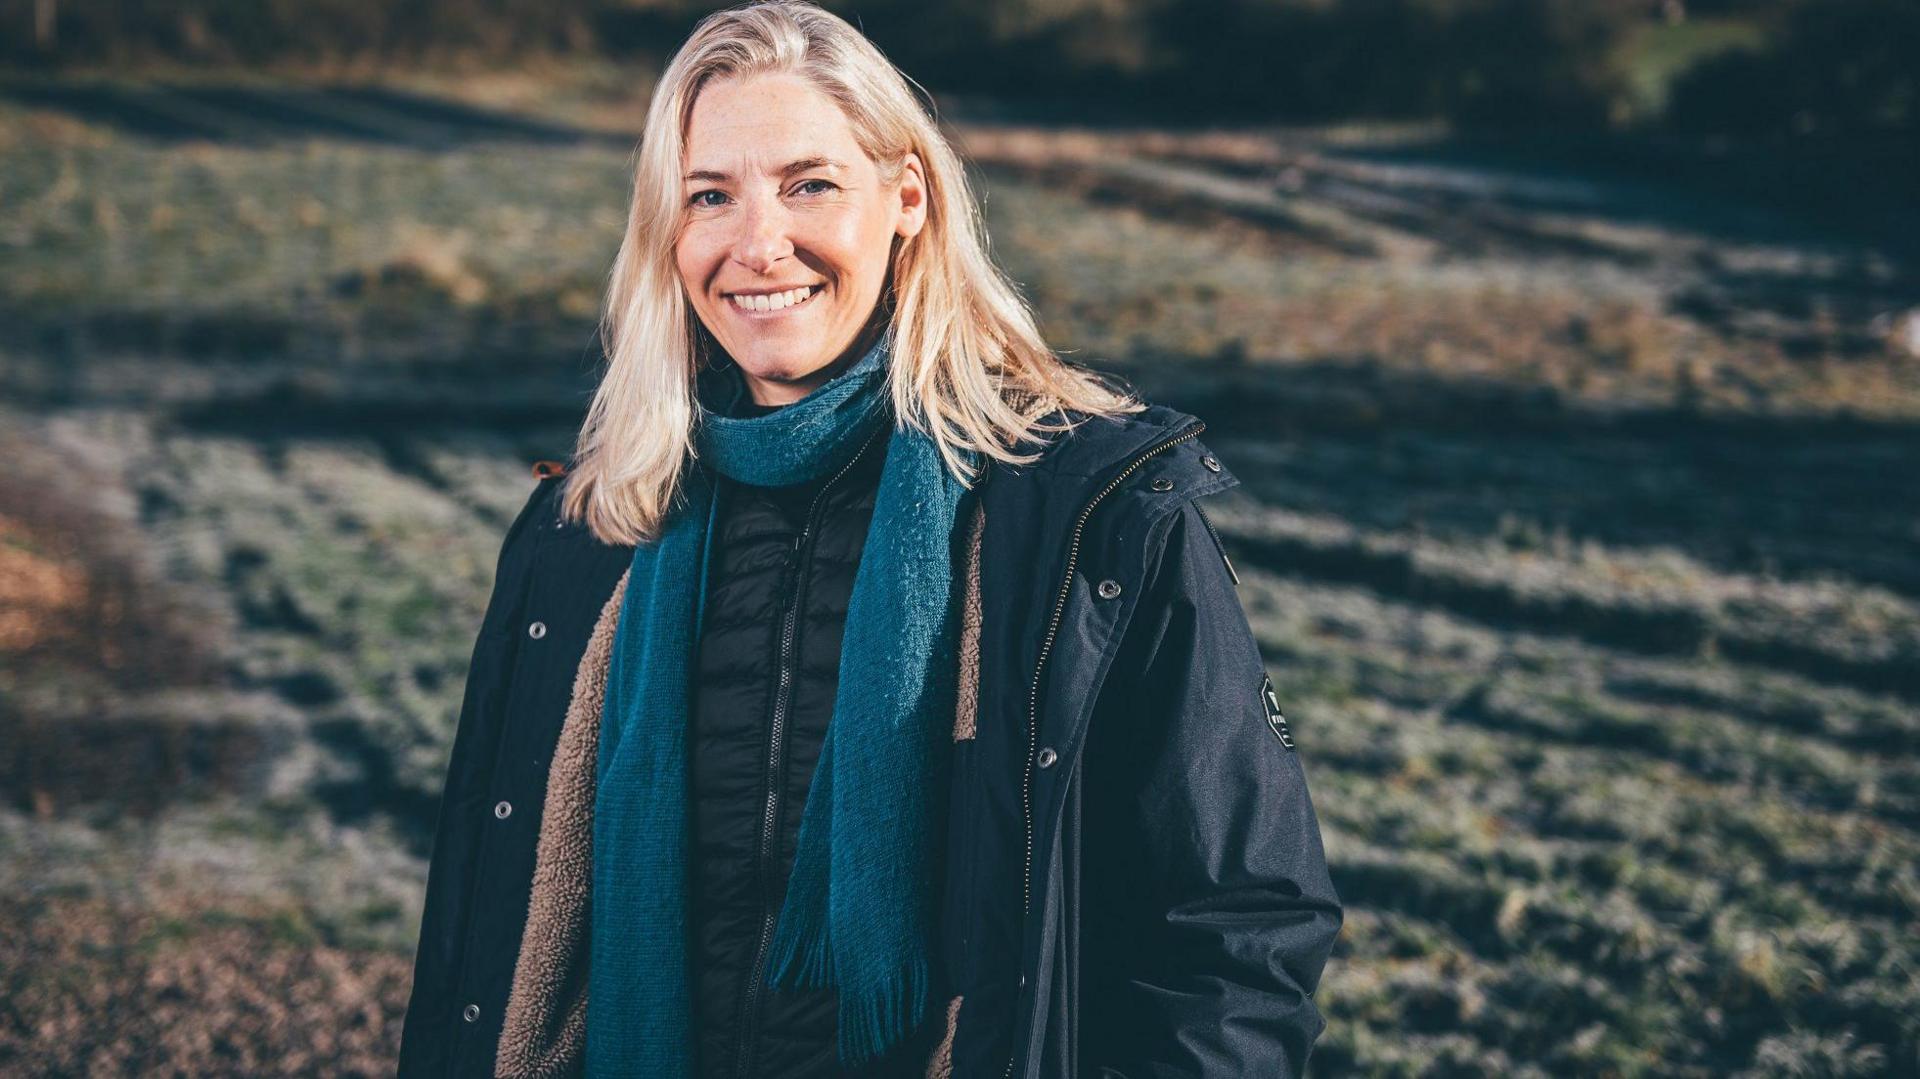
[1135, 883]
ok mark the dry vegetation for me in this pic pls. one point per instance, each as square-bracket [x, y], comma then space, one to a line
[1577, 526]
[192, 992]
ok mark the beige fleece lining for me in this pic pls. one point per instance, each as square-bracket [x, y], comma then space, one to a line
[940, 1064]
[967, 697]
[546, 1023]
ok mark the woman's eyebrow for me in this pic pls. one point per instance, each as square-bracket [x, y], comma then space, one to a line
[804, 164]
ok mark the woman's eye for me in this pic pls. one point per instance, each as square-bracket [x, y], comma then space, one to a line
[695, 200]
[825, 186]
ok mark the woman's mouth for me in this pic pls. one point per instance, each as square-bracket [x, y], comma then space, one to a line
[773, 304]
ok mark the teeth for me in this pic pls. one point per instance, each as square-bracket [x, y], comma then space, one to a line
[774, 302]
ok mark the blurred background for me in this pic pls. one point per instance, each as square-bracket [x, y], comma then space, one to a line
[1569, 352]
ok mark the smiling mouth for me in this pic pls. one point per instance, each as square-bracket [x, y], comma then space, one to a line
[774, 302]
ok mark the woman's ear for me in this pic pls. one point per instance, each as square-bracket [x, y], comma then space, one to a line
[913, 197]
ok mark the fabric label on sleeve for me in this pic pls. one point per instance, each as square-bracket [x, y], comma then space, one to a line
[1275, 720]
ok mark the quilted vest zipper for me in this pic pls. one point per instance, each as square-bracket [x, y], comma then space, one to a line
[1046, 650]
[793, 583]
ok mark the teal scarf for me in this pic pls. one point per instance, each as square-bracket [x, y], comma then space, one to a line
[859, 907]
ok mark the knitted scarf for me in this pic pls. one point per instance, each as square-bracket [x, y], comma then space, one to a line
[859, 904]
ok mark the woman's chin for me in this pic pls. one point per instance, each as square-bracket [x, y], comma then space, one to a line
[772, 347]
[782, 366]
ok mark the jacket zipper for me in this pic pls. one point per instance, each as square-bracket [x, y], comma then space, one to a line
[776, 749]
[1046, 649]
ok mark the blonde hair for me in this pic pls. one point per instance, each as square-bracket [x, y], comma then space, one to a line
[968, 366]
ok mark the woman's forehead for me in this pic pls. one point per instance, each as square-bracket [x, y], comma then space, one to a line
[764, 125]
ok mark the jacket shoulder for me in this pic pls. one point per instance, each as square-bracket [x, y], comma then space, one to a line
[1095, 443]
[543, 515]
[542, 506]
[1158, 442]
[1139, 471]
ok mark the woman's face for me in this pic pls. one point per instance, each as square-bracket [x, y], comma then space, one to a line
[788, 232]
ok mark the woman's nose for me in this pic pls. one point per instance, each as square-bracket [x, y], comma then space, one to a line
[764, 238]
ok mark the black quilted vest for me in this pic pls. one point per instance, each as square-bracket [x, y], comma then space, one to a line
[780, 577]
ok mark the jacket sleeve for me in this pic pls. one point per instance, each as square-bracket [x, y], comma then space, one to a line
[1209, 912]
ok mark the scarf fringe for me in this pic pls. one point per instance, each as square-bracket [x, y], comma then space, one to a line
[880, 1017]
[799, 957]
[872, 1018]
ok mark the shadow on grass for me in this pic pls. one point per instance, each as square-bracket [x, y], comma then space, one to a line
[1857, 189]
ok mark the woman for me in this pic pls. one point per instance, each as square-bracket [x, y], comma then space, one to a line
[868, 695]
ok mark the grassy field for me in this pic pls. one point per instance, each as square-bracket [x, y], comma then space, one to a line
[1578, 527]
